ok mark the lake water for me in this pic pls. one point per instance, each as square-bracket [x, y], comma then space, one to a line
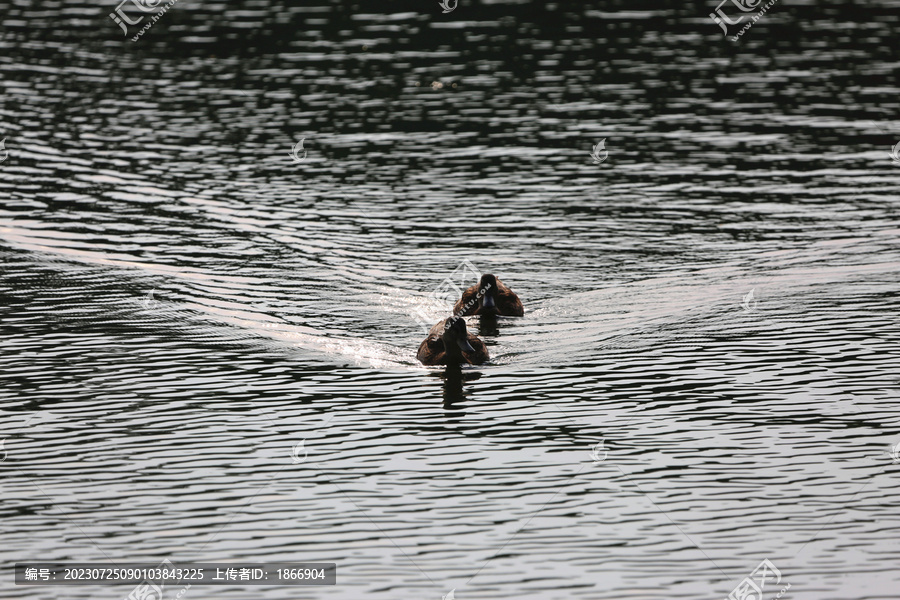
[706, 375]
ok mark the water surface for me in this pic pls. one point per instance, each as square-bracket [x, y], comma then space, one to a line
[183, 303]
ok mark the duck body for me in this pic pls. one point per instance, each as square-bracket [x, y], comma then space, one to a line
[449, 343]
[489, 297]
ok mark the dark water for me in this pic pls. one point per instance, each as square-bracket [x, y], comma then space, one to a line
[182, 303]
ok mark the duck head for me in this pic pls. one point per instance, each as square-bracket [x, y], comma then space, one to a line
[455, 338]
[487, 292]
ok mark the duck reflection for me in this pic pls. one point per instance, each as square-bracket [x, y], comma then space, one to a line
[487, 326]
[452, 389]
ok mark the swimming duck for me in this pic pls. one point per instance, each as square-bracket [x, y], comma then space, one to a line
[489, 297]
[448, 343]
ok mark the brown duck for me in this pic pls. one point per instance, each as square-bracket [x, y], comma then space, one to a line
[489, 297]
[448, 343]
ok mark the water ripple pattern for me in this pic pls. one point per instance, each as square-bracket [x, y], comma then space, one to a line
[706, 375]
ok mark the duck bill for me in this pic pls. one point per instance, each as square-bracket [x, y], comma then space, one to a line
[488, 307]
[465, 346]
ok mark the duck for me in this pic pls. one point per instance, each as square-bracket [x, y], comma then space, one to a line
[449, 343]
[489, 297]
